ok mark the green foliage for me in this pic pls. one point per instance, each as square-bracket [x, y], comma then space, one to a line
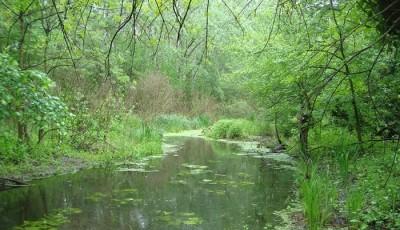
[239, 109]
[175, 123]
[25, 97]
[12, 151]
[52, 221]
[323, 71]
[354, 204]
[378, 183]
[318, 197]
[133, 138]
[234, 129]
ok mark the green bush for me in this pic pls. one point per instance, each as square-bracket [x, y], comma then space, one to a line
[234, 129]
[333, 138]
[11, 149]
[219, 129]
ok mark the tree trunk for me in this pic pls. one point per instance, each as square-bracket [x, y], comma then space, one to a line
[278, 138]
[304, 128]
[304, 120]
[357, 116]
[22, 127]
[41, 134]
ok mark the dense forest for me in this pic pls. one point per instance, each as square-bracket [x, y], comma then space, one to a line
[92, 83]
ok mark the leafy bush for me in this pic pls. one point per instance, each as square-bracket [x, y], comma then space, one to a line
[25, 98]
[11, 149]
[219, 129]
[234, 129]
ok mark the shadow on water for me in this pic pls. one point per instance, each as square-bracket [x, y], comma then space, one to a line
[202, 186]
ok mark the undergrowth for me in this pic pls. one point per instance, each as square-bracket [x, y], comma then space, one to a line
[342, 188]
[129, 138]
[236, 129]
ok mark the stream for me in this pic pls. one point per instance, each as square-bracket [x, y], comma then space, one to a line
[204, 184]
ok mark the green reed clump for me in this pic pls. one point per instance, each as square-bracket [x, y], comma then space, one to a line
[318, 197]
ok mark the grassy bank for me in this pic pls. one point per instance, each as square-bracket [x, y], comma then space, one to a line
[341, 188]
[129, 138]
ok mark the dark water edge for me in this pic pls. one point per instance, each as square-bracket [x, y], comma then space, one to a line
[205, 185]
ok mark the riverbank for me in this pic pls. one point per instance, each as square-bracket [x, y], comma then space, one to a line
[66, 160]
[129, 138]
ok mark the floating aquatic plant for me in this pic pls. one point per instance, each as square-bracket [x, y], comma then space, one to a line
[50, 222]
[178, 219]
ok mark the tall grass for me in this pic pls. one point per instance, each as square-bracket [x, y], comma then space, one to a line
[175, 123]
[354, 203]
[318, 197]
[132, 137]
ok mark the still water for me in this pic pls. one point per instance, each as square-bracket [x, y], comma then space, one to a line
[204, 185]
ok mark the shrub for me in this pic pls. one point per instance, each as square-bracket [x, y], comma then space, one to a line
[219, 129]
[11, 149]
[234, 128]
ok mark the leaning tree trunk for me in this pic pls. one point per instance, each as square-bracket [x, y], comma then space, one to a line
[278, 138]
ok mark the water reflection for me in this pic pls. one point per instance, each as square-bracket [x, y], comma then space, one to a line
[204, 186]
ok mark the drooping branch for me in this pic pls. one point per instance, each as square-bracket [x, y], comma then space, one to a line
[234, 16]
[181, 20]
[65, 35]
[120, 27]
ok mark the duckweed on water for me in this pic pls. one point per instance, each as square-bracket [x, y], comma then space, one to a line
[127, 190]
[126, 201]
[181, 218]
[194, 170]
[195, 166]
[118, 197]
[179, 182]
[50, 222]
[96, 197]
